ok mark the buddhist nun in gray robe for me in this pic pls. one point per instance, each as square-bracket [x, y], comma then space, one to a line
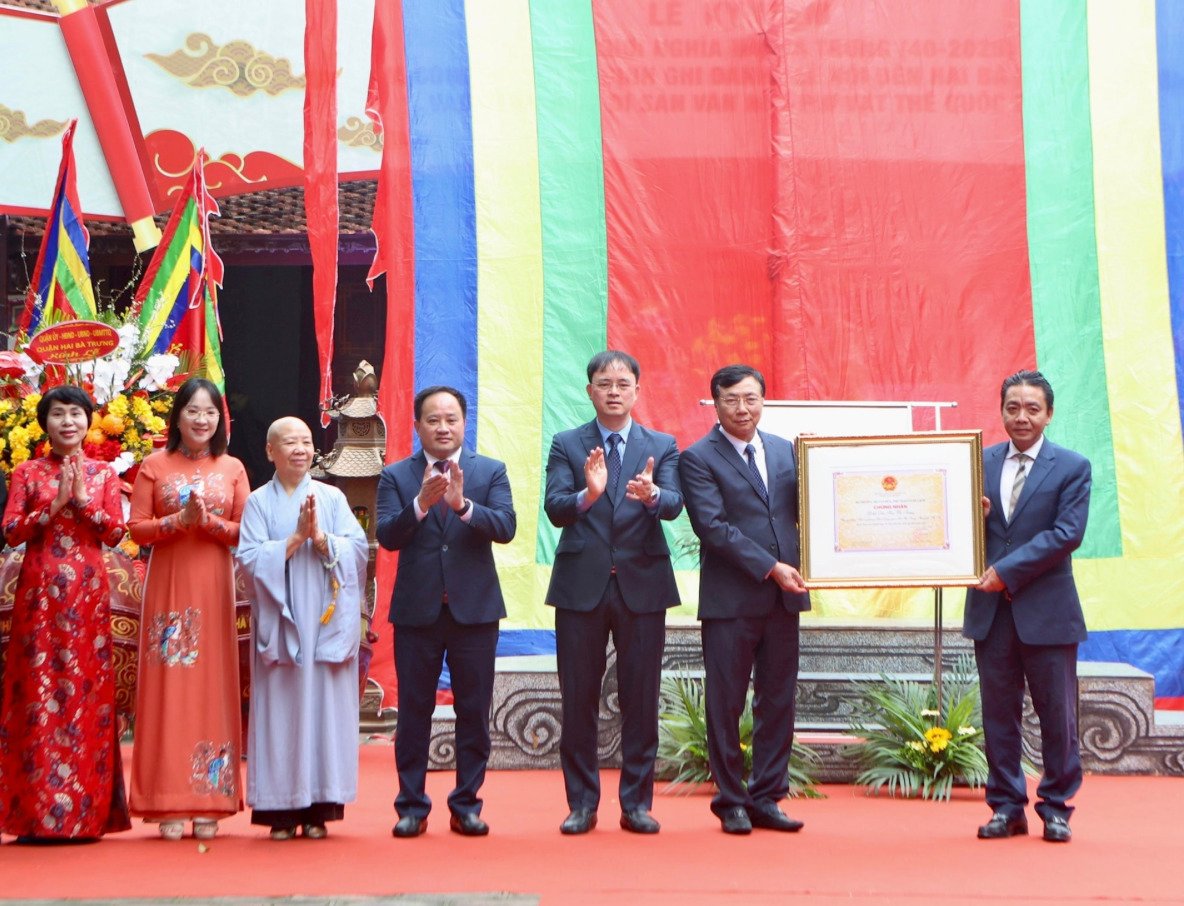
[304, 556]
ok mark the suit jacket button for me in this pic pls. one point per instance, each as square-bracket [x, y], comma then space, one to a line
[444, 548]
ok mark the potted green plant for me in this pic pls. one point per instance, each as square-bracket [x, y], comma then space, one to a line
[682, 741]
[914, 745]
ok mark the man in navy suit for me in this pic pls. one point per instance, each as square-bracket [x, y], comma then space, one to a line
[1024, 615]
[612, 574]
[443, 509]
[741, 491]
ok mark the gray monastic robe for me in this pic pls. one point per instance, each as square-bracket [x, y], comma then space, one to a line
[303, 735]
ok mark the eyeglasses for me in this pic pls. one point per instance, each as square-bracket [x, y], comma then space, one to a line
[733, 402]
[605, 386]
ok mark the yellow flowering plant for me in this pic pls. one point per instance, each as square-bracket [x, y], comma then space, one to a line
[915, 746]
[133, 391]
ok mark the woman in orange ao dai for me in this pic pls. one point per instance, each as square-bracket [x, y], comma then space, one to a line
[186, 503]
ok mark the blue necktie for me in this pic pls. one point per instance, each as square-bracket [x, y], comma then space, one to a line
[750, 454]
[614, 462]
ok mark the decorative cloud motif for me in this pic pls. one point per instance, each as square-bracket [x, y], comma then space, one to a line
[172, 155]
[359, 133]
[236, 66]
[14, 124]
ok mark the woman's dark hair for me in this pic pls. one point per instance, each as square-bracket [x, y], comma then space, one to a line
[184, 396]
[70, 395]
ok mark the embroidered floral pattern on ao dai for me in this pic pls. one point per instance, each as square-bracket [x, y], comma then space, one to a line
[60, 772]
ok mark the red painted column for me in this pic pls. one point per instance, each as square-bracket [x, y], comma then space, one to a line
[112, 116]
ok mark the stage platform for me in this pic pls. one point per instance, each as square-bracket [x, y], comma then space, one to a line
[1120, 730]
[854, 849]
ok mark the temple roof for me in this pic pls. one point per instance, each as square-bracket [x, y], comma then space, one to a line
[267, 212]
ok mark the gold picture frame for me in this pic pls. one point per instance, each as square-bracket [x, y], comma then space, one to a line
[891, 511]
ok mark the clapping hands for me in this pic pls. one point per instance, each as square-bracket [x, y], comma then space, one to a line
[71, 482]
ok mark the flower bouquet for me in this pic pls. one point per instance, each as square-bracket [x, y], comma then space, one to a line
[132, 388]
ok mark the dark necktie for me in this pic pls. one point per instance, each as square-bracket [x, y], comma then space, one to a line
[1017, 486]
[439, 509]
[614, 462]
[750, 454]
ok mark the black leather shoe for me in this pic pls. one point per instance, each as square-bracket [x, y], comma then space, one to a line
[410, 826]
[638, 821]
[1001, 825]
[770, 817]
[468, 825]
[1056, 830]
[735, 820]
[580, 821]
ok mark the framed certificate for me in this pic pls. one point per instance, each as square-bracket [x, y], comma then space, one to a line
[891, 511]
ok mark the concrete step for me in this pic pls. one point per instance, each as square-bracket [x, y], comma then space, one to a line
[888, 647]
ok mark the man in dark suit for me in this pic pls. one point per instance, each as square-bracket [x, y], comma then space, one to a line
[1024, 615]
[442, 509]
[741, 491]
[612, 574]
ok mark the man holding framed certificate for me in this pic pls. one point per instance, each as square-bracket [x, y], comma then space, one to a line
[1025, 615]
[741, 492]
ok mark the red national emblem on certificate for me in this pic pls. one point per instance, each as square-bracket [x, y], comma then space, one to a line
[888, 483]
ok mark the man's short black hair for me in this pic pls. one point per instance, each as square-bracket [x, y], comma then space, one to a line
[1026, 378]
[731, 375]
[602, 360]
[432, 391]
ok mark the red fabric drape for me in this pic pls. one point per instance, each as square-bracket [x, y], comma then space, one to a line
[393, 228]
[832, 192]
[320, 175]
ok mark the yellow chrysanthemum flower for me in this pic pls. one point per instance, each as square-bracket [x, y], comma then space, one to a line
[19, 455]
[36, 432]
[29, 404]
[95, 436]
[113, 425]
[140, 408]
[3, 444]
[161, 405]
[5, 405]
[118, 407]
[938, 738]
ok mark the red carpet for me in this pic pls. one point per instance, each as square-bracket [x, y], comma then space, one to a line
[1127, 845]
